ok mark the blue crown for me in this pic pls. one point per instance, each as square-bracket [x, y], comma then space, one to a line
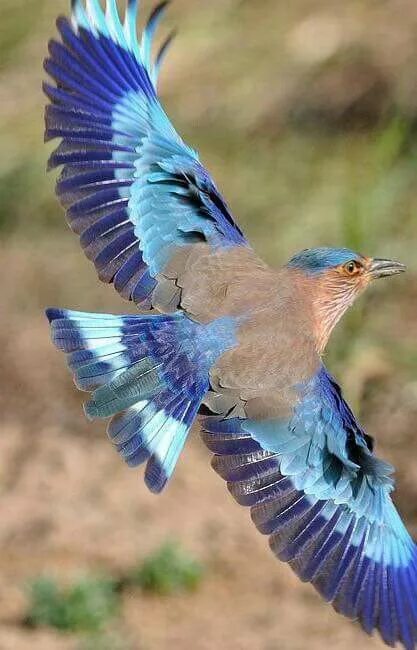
[316, 260]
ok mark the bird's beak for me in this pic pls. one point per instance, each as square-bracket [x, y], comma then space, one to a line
[383, 268]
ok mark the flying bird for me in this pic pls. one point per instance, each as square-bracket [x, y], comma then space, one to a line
[219, 332]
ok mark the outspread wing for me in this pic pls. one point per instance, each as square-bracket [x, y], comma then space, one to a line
[132, 189]
[315, 487]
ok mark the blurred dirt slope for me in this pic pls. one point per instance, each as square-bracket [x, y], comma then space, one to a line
[305, 113]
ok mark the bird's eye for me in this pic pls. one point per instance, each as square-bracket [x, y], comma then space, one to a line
[352, 268]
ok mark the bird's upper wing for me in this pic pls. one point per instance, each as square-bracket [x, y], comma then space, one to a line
[132, 189]
[315, 487]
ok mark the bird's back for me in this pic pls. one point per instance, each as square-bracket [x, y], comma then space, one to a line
[276, 346]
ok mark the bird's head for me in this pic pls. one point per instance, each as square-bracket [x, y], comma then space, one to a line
[334, 278]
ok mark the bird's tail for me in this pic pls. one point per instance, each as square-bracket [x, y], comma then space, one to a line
[148, 373]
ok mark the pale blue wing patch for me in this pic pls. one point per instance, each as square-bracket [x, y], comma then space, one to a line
[315, 487]
[132, 189]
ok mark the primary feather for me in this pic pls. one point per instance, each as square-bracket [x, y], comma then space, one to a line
[132, 189]
[234, 335]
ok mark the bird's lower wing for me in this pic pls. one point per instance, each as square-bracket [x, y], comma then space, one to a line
[314, 486]
[132, 189]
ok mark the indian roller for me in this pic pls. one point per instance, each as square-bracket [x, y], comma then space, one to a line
[218, 332]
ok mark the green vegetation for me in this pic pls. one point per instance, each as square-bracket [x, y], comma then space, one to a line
[86, 605]
[375, 192]
[167, 571]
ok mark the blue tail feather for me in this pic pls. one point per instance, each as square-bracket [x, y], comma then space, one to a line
[148, 374]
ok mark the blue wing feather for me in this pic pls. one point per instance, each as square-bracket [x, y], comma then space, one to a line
[328, 513]
[129, 183]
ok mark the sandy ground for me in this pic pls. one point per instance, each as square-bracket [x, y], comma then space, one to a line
[70, 506]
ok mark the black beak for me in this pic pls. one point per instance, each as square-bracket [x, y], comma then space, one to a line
[383, 268]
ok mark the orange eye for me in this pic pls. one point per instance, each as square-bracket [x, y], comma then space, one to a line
[352, 268]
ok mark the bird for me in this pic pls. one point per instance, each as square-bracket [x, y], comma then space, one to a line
[218, 334]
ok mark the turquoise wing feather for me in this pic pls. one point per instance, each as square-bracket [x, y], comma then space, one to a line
[133, 190]
[315, 487]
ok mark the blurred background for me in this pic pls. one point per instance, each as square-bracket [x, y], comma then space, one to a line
[306, 115]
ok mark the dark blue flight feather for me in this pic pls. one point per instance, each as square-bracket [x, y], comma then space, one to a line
[329, 513]
[122, 159]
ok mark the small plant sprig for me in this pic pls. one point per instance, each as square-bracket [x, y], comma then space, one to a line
[90, 603]
[167, 571]
[84, 606]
